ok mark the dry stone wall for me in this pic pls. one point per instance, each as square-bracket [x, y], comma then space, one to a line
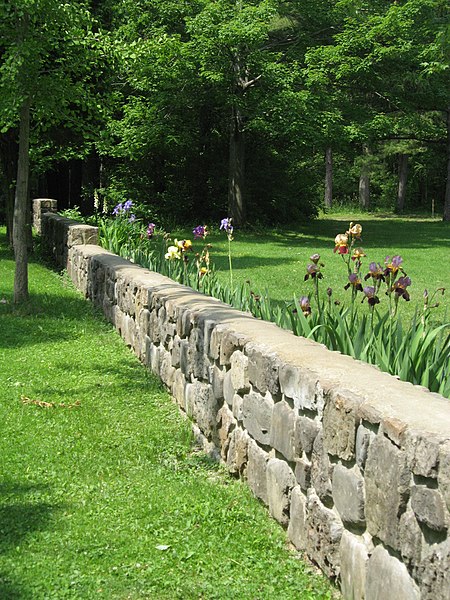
[354, 463]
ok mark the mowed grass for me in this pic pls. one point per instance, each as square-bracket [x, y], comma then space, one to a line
[275, 260]
[102, 494]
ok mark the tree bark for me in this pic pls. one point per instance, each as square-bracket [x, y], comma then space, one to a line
[446, 216]
[402, 181]
[364, 182]
[328, 199]
[236, 168]
[21, 208]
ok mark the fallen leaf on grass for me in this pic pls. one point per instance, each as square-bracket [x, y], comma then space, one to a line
[162, 547]
[43, 404]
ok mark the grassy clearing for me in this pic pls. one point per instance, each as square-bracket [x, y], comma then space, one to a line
[276, 260]
[104, 497]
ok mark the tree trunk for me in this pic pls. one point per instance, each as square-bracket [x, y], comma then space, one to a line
[402, 180]
[236, 168]
[328, 177]
[447, 186]
[364, 182]
[21, 208]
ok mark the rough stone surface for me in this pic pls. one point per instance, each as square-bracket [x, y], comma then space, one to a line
[300, 386]
[433, 573]
[237, 456]
[363, 438]
[348, 494]
[239, 371]
[280, 481]
[354, 557]
[306, 431]
[321, 469]
[387, 577]
[444, 473]
[263, 369]
[339, 427]
[387, 479]
[282, 430]
[324, 534]
[410, 538]
[423, 453]
[257, 413]
[297, 519]
[303, 473]
[226, 423]
[429, 508]
[228, 388]
[203, 407]
[257, 471]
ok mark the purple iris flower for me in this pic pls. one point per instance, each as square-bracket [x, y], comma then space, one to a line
[132, 218]
[127, 205]
[226, 225]
[150, 230]
[118, 209]
[199, 232]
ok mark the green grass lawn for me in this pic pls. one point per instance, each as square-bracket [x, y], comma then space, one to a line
[276, 260]
[101, 493]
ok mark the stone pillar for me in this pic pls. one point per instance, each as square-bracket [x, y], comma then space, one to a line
[41, 206]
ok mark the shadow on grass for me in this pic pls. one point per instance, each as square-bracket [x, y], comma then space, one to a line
[21, 514]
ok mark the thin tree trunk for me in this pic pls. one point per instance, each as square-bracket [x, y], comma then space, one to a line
[447, 186]
[236, 168]
[364, 182]
[402, 181]
[328, 177]
[21, 208]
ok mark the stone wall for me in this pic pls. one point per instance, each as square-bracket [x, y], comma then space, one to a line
[354, 463]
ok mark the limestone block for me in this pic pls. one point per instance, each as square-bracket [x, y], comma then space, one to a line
[354, 557]
[238, 403]
[179, 387]
[348, 494]
[320, 468]
[282, 430]
[153, 327]
[422, 450]
[306, 430]
[339, 426]
[153, 357]
[300, 385]
[166, 370]
[176, 351]
[280, 481]
[256, 471]
[228, 389]
[323, 536]
[128, 330]
[215, 378]
[387, 480]
[429, 508]
[203, 407]
[215, 341]
[263, 368]
[387, 577]
[239, 371]
[230, 342]
[257, 416]
[297, 519]
[433, 574]
[185, 359]
[199, 360]
[444, 473]
[143, 321]
[184, 322]
[303, 473]
[363, 438]
[237, 456]
[411, 538]
[226, 423]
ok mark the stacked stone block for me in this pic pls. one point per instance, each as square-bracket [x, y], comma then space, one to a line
[354, 463]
